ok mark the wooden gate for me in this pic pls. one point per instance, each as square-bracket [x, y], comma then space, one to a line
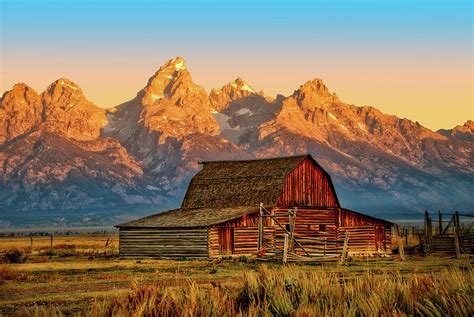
[226, 240]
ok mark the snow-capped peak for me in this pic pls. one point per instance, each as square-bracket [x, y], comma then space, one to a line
[242, 85]
[179, 66]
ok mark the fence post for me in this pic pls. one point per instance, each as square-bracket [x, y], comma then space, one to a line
[440, 224]
[430, 233]
[51, 247]
[293, 224]
[285, 249]
[406, 236]
[457, 231]
[458, 223]
[401, 251]
[425, 224]
[344, 248]
[291, 221]
[456, 244]
[260, 228]
[31, 243]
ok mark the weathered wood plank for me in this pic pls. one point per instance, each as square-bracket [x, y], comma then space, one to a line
[155, 243]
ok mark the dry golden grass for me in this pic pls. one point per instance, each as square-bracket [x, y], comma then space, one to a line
[289, 292]
[103, 286]
[85, 242]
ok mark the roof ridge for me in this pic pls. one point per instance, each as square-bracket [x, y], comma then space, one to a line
[235, 177]
[257, 159]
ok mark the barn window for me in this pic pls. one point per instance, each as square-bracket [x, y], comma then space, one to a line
[288, 227]
[322, 227]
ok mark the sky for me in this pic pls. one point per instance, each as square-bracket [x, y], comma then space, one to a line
[410, 58]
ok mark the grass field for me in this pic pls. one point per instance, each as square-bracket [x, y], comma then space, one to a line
[83, 275]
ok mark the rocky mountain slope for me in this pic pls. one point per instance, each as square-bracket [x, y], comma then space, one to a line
[463, 132]
[54, 159]
[61, 154]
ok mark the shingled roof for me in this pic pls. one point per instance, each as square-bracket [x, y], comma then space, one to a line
[239, 183]
[225, 190]
[195, 217]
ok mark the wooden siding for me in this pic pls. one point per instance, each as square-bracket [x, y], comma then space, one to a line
[245, 235]
[246, 240]
[366, 235]
[163, 243]
[361, 239]
[377, 233]
[310, 223]
[226, 240]
[307, 185]
[213, 242]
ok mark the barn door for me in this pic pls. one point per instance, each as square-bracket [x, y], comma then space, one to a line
[226, 240]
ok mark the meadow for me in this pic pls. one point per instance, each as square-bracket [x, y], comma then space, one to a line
[82, 275]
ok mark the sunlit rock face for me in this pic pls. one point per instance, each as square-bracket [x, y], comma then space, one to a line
[21, 111]
[59, 151]
[54, 158]
[463, 132]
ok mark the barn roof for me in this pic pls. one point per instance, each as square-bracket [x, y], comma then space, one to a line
[225, 190]
[240, 183]
[195, 217]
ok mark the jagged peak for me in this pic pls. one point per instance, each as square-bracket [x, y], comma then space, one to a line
[235, 85]
[469, 124]
[240, 84]
[314, 93]
[159, 85]
[22, 87]
[20, 90]
[178, 63]
[315, 85]
[64, 84]
[172, 68]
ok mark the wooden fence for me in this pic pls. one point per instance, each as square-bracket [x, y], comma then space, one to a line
[439, 234]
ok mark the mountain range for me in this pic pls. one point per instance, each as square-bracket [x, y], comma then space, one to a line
[64, 160]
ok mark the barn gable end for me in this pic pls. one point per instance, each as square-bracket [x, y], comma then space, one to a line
[308, 185]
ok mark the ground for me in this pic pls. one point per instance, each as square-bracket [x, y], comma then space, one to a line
[81, 270]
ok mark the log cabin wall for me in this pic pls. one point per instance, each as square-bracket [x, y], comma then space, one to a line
[308, 185]
[365, 229]
[310, 223]
[367, 235]
[163, 243]
[245, 235]
[246, 239]
[213, 242]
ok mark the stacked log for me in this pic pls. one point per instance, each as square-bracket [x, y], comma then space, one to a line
[163, 243]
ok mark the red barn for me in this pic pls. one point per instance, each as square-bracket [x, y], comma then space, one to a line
[221, 215]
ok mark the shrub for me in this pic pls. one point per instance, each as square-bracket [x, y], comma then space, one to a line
[244, 259]
[48, 252]
[15, 256]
